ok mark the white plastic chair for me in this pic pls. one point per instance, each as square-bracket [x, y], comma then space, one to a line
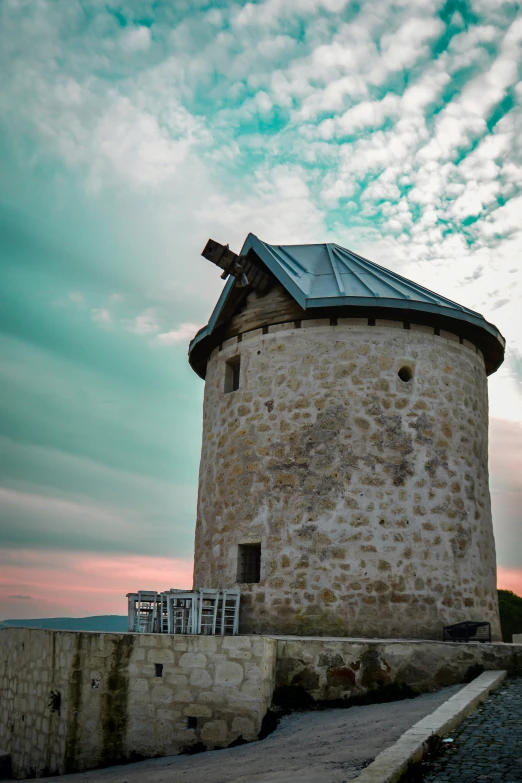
[183, 612]
[230, 612]
[132, 599]
[146, 608]
[208, 610]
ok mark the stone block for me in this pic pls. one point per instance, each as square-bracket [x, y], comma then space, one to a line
[182, 696]
[313, 323]
[449, 336]
[197, 711]
[244, 727]
[422, 328]
[251, 334]
[161, 694]
[236, 642]
[389, 324]
[146, 639]
[160, 656]
[253, 689]
[167, 714]
[206, 644]
[209, 697]
[214, 732]
[352, 322]
[228, 343]
[193, 660]
[139, 685]
[241, 655]
[177, 680]
[229, 673]
[281, 327]
[200, 678]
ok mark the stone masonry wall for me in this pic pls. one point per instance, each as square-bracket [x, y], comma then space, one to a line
[369, 494]
[73, 701]
[337, 668]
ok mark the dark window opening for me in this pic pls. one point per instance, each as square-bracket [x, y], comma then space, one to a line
[249, 563]
[55, 701]
[232, 373]
[192, 723]
[405, 374]
[158, 668]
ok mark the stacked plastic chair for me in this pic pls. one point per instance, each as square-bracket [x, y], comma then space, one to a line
[205, 611]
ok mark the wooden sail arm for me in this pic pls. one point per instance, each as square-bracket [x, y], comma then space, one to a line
[242, 268]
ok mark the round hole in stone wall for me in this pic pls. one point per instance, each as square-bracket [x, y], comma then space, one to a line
[405, 374]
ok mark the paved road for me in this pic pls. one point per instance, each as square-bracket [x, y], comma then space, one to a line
[314, 747]
[487, 748]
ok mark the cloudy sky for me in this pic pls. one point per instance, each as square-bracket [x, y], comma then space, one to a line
[132, 131]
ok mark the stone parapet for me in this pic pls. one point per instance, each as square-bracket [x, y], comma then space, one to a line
[332, 668]
[73, 701]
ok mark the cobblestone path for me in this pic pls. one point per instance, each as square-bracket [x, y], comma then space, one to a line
[487, 748]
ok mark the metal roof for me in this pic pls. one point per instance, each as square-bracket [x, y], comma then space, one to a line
[327, 275]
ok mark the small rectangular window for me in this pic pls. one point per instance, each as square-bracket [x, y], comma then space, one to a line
[192, 723]
[232, 373]
[249, 563]
[158, 669]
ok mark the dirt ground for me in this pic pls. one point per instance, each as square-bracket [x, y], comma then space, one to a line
[314, 747]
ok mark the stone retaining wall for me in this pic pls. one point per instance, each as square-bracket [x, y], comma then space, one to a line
[73, 701]
[339, 668]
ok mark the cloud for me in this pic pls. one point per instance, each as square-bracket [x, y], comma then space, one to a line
[78, 585]
[183, 334]
[21, 597]
[136, 39]
[403, 47]
[388, 129]
[506, 489]
[101, 316]
[145, 323]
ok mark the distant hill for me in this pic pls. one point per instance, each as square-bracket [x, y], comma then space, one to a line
[105, 622]
[510, 606]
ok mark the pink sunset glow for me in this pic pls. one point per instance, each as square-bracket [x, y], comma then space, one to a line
[509, 579]
[79, 585]
[68, 584]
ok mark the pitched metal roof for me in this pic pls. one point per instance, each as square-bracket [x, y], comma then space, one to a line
[327, 275]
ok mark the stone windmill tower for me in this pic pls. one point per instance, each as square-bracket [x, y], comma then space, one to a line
[344, 467]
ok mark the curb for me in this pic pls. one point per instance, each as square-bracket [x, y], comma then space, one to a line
[390, 765]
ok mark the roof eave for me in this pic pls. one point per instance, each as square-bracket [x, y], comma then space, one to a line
[406, 304]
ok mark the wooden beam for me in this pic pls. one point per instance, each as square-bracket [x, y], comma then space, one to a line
[248, 270]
